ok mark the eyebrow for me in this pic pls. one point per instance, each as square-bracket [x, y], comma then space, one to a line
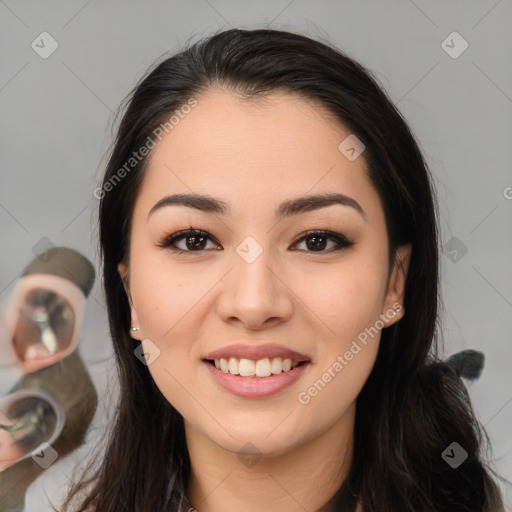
[286, 209]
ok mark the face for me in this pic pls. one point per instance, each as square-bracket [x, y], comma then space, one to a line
[266, 275]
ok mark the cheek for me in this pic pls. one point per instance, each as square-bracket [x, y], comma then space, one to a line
[345, 300]
[334, 388]
[347, 304]
[171, 307]
[166, 299]
[348, 309]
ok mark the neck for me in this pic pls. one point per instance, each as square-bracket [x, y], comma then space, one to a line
[305, 478]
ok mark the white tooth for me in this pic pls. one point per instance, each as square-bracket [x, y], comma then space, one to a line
[224, 365]
[217, 363]
[287, 365]
[277, 365]
[263, 368]
[295, 364]
[233, 365]
[246, 368]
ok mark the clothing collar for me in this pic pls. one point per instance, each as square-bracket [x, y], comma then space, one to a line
[182, 504]
[178, 501]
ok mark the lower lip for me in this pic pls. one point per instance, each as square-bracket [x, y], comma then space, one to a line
[256, 387]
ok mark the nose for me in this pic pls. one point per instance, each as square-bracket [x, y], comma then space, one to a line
[254, 295]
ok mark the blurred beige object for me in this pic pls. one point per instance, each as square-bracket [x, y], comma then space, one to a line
[47, 413]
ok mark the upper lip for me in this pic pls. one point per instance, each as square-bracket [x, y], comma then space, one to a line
[256, 352]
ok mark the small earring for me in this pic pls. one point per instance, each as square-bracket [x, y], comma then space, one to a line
[134, 329]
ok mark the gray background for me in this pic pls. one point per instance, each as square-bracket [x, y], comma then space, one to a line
[57, 115]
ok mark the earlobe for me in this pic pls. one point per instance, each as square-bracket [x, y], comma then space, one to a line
[394, 308]
[134, 325]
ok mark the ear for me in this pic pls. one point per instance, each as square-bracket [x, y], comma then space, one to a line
[393, 307]
[122, 268]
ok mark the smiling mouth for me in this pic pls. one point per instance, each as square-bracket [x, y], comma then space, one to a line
[266, 367]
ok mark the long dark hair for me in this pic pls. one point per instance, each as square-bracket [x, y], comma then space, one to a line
[413, 405]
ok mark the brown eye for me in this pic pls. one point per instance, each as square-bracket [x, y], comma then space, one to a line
[191, 240]
[318, 241]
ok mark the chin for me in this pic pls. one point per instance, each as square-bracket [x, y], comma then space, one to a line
[257, 445]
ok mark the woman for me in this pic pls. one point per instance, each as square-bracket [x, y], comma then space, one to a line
[270, 251]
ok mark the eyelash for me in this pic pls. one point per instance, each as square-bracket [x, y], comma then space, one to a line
[339, 239]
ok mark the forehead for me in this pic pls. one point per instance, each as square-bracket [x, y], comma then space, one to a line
[263, 149]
